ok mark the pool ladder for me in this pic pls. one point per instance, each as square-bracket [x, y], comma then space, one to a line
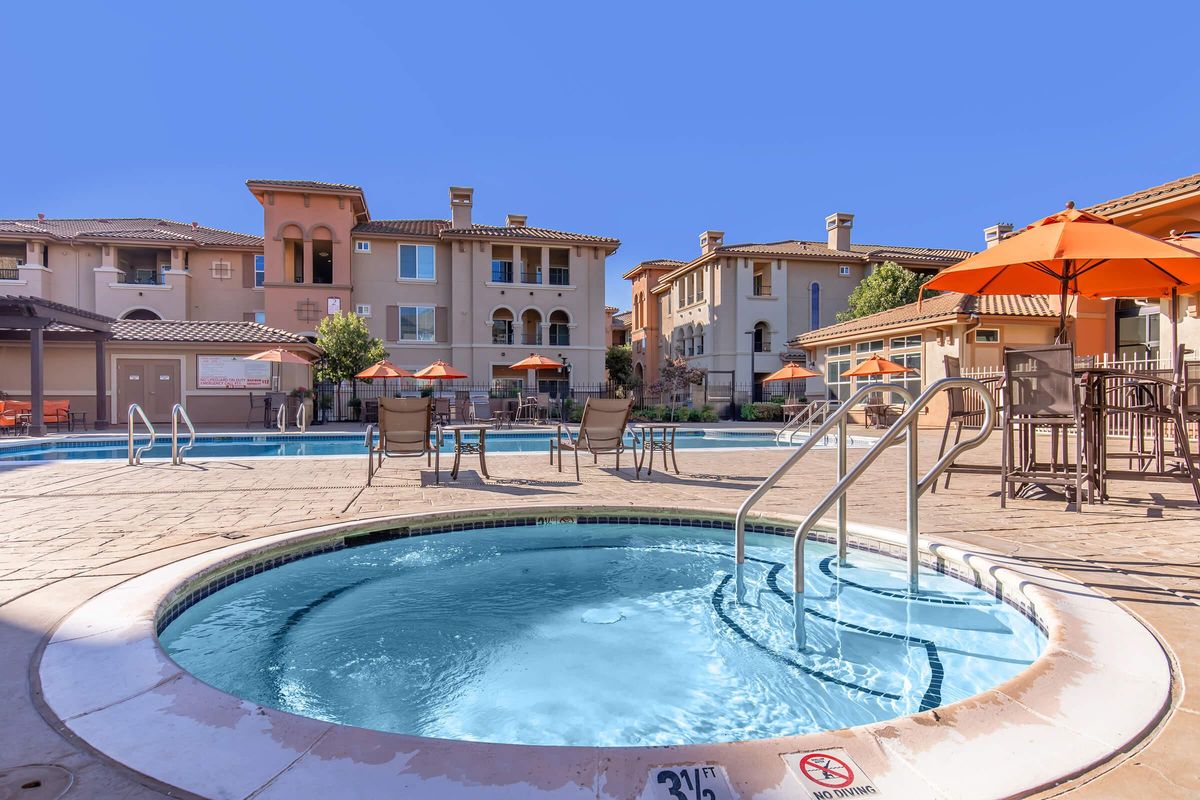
[301, 417]
[906, 426]
[804, 421]
[178, 412]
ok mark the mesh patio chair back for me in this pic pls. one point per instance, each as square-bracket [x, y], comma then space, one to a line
[404, 424]
[602, 427]
[481, 409]
[957, 397]
[1040, 383]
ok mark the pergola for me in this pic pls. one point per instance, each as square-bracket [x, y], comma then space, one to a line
[37, 321]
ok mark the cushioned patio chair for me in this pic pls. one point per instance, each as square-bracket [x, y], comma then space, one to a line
[601, 432]
[404, 428]
[57, 413]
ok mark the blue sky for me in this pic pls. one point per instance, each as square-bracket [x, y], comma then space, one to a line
[645, 121]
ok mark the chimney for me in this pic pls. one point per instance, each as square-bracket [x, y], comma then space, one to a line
[195, 225]
[460, 206]
[515, 220]
[837, 228]
[710, 241]
[41, 217]
[994, 234]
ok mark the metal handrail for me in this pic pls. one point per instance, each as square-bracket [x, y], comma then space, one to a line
[369, 441]
[914, 486]
[178, 411]
[302, 416]
[837, 418]
[804, 419]
[135, 457]
[281, 417]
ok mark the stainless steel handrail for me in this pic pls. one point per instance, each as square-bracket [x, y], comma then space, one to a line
[302, 416]
[178, 411]
[804, 419]
[135, 457]
[281, 417]
[914, 487]
[369, 441]
[837, 418]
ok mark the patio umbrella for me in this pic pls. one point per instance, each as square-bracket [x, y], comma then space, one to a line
[1073, 252]
[791, 372]
[876, 365]
[535, 363]
[439, 371]
[383, 369]
[278, 355]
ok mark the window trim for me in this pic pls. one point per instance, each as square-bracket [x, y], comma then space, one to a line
[359, 245]
[260, 271]
[401, 277]
[416, 308]
[975, 335]
[844, 270]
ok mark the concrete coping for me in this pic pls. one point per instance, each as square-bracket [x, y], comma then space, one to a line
[1102, 683]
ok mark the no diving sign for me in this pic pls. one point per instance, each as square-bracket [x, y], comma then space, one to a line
[830, 774]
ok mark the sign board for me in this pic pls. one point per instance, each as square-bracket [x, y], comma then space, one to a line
[830, 774]
[688, 782]
[232, 372]
[333, 305]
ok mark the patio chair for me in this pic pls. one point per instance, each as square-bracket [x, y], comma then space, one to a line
[57, 413]
[404, 427]
[601, 431]
[527, 408]
[1039, 393]
[14, 416]
[480, 410]
[957, 413]
[262, 404]
[462, 406]
[441, 410]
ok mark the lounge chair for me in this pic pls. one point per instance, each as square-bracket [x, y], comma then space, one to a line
[404, 427]
[57, 413]
[601, 431]
[14, 416]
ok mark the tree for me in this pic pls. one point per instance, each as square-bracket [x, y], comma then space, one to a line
[674, 376]
[349, 347]
[619, 363]
[889, 286]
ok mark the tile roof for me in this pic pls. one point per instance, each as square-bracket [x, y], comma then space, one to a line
[31, 304]
[404, 227]
[1161, 192]
[858, 252]
[232, 332]
[661, 262]
[948, 304]
[525, 232]
[317, 185]
[143, 228]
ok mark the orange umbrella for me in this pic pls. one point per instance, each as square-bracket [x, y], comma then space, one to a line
[536, 362]
[791, 372]
[384, 369]
[279, 356]
[1073, 252]
[439, 371]
[876, 365]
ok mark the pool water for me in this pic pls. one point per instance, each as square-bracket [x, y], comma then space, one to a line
[314, 444]
[596, 634]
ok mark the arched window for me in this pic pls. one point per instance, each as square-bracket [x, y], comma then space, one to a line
[531, 326]
[502, 326]
[699, 339]
[762, 338]
[690, 340]
[814, 306]
[141, 313]
[560, 331]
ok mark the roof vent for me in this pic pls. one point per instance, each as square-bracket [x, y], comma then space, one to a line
[41, 217]
[195, 225]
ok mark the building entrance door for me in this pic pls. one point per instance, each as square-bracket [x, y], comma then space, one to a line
[152, 384]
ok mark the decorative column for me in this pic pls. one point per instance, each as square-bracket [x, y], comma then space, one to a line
[308, 261]
[101, 386]
[37, 423]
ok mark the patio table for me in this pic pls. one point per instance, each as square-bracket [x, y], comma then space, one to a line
[663, 444]
[462, 446]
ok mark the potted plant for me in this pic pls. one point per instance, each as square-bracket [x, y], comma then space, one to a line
[325, 402]
[355, 406]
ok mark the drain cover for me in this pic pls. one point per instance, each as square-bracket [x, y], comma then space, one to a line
[34, 782]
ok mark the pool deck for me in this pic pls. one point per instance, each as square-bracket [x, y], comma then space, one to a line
[69, 530]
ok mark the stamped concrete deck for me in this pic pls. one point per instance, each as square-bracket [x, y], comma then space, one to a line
[69, 530]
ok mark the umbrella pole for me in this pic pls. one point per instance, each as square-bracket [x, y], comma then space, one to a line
[1062, 312]
[1174, 328]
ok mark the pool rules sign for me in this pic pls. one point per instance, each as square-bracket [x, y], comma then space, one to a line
[830, 774]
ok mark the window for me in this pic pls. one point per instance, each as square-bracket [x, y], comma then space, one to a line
[502, 331]
[909, 380]
[417, 323]
[679, 287]
[905, 342]
[814, 306]
[260, 270]
[362, 309]
[844, 271]
[837, 361]
[699, 340]
[762, 280]
[417, 262]
[700, 285]
[987, 335]
[560, 276]
[762, 338]
[690, 284]
[502, 271]
[560, 332]
[260, 317]
[873, 346]
[362, 247]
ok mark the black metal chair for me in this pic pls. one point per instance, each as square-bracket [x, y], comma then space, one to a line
[957, 412]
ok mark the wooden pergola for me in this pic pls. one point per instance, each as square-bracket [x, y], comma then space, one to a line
[37, 321]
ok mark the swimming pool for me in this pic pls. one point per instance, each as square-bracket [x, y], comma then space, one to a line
[222, 446]
[597, 632]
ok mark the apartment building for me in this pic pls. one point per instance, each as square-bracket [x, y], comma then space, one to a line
[479, 296]
[142, 268]
[731, 309]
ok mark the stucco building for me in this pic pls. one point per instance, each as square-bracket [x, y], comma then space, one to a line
[731, 309]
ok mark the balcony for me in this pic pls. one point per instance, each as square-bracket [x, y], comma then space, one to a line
[560, 336]
[143, 277]
[10, 274]
[532, 277]
[532, 338]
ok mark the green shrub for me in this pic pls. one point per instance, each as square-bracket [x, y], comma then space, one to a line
[762, 412]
